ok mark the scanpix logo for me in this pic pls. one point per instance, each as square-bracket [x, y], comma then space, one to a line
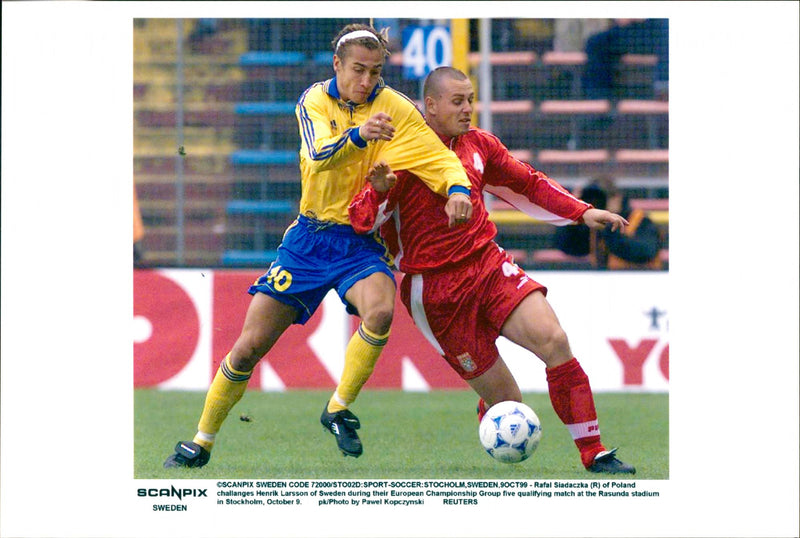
[172, 491]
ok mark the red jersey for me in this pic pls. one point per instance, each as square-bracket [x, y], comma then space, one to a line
[412, 220]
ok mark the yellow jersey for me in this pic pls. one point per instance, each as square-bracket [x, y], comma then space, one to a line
[334, 159]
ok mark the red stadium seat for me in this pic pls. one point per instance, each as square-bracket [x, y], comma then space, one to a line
[569, 156]
[596, 106]
[554, 57]
[507, 107]
[505, 58]
[637, 106]
[524, 155]
[642, 156]
[650, 204]
[639, 59]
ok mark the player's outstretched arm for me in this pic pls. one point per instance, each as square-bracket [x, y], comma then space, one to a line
[600, 218]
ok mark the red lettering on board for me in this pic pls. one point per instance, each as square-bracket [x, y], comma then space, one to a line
[175, 328]
[291, 357]
[663, 362]
[632, 358]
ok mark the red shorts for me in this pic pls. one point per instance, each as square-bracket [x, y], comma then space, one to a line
[461, 311]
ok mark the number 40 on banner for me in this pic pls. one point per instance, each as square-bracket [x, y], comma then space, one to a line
[424, 49]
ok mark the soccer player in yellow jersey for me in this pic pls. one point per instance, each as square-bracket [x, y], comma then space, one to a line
[347, 124]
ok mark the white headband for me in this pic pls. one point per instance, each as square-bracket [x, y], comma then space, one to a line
[355, 34]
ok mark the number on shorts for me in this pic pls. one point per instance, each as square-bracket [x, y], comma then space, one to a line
[279, 278]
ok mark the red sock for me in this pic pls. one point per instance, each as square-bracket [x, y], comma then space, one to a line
[573, 402]
[481, 409]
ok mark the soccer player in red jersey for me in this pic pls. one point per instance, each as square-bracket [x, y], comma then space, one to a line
[461, 288]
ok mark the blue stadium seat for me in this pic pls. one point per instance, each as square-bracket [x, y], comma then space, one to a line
[260, 207]
[249, 257]
[257, 156]
[262, 58]
[324, 58]
[265, 108]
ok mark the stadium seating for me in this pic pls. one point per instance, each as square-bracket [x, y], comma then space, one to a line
[240, 173]
[556, 110]
[212, 80]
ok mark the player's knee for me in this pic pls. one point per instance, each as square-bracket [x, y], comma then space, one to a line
[556, 346]
[243, 362]
[247, 351]
[558, 338]
[378, 319]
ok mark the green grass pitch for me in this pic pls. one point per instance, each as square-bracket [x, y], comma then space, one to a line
[405, 435]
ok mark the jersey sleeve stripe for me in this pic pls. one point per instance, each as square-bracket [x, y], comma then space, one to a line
[309, 136]
[522, 203]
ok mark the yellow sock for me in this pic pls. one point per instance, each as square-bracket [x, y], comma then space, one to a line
[227, 388]
[360, 357]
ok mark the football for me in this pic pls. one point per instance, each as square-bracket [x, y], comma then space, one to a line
[510, 431]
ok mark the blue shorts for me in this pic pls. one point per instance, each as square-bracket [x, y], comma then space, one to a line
[314, 258]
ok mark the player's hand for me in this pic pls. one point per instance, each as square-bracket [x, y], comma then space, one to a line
[381, 176]
[458, 209]
[600, 218]
[377, 127]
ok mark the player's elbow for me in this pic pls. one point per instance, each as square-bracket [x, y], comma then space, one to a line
[359, 227]
[317, 164]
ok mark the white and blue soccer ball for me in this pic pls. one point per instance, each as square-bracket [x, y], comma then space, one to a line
[510, 431]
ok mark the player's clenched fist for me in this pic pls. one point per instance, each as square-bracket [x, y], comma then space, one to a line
[377, 127]
[458, 209]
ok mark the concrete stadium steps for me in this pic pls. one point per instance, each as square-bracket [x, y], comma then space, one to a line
[211, 86]
[195, 162]
[196, 70]
[195, 91]
[581, 124]
[201, 257]
[266, 189]
[247, 233]
[194, 188]
[551, 75]
[194, 114]
[202, 140]
[204, 218]
[272, 174]
[196, 237]
[158, 212]
[275, 132]
[156, 38]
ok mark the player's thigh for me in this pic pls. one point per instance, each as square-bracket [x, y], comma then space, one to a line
[533, 324]
[266, 320]
[497, 384]
[374, 298]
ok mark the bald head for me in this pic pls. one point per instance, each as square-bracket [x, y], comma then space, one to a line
[448, 97]
[434, 80]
